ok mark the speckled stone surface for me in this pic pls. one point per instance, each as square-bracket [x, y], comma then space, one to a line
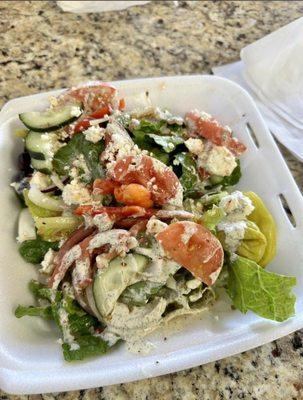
[42, 48]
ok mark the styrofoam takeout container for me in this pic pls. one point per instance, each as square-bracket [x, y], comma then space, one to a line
[31, 359]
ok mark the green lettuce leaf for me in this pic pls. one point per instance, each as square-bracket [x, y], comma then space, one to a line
[44, 312]
[140, 293]
[267, 294]
[78, 323]
[64, 158]
[33, 251]
[212, 217]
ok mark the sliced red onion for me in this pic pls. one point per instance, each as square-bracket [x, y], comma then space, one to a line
[55, 187]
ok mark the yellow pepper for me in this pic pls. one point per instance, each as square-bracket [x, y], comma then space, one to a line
[254, 243]
[264, 220]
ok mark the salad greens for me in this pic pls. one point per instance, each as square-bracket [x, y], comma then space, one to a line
[137, 242]
[33, 251]
[78, 328]
[267, 294]
[66, 156]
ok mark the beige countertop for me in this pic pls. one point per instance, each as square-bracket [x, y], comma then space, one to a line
[43, 48]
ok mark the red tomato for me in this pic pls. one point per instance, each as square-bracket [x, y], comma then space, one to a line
[195, 248]
[104, 186]
[160, 180]
[93, 96]
[213, 131]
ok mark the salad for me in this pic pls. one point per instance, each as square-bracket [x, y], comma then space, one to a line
[132, 220]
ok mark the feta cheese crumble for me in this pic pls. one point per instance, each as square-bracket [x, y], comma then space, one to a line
[94, 133]
[75, 193]
[48, 262]
[237, 207]
[217, 160]
[75, 111]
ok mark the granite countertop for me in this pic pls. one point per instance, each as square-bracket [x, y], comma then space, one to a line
[43, 48]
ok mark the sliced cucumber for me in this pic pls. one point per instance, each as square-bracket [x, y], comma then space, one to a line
[50, 120]
[41, 148]
[44, 166]
[110, 282]
[26, 226]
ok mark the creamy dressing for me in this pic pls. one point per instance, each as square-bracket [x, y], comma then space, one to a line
[48, 262]
[189, 230]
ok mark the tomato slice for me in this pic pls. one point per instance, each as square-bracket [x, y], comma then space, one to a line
[211, 129]
[195, 248]
[94, 96]
[160, 180]
[105, 186]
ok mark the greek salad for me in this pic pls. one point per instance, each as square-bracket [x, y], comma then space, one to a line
[132, 220]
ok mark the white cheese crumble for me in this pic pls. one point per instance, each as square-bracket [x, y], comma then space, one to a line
[41, 181]
[76, 193]
[94, 133]
[236, 205]
[234, 233]
[120, 145]
[103, 222]
[155, 226]
[217, 160]
[195, 146]
[75, 111]
[168, 117]
[48, 262]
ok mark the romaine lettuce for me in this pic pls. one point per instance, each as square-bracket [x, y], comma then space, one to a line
[267, 294]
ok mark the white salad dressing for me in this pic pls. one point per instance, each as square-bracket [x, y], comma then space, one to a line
[237, 207]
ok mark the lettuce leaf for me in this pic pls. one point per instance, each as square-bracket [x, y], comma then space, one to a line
[212, 217]
[79, 325]
[31, 311]
[267, 294]
[64, 158]
[33, 251]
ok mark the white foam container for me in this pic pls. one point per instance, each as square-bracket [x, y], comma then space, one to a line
[31, 360]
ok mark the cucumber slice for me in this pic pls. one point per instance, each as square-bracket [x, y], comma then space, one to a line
[50, 120]
[37, 146]
[26, 226]
[110, 282]
[44, 166]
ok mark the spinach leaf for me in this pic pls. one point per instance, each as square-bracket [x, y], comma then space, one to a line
[189, 177]
[64, 158]
[140, 293]
[145, 143]
[230, 180]
[44, 312]
[33, 251]
[168, 143]
[88, 346]
[267, 294]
